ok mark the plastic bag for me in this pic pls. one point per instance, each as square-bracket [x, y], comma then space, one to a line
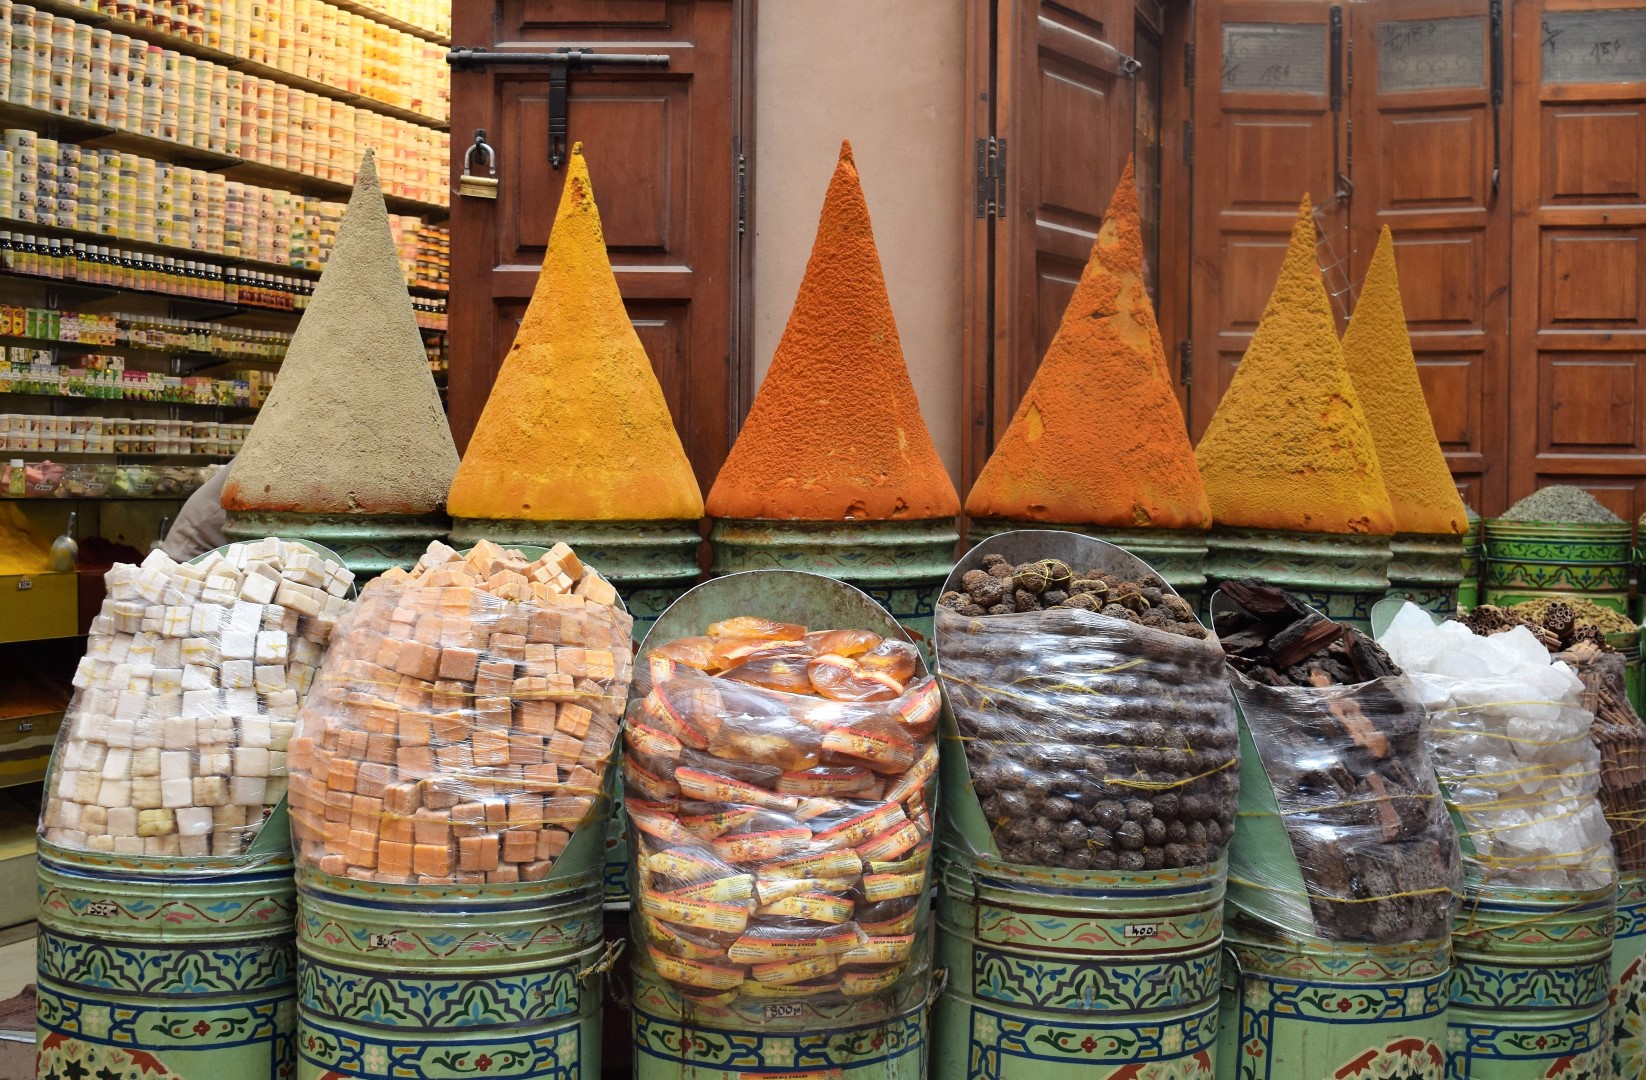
[175, 742]
[1620, 737]
[781, 841]
[1093, 743]
[1509, 738]
[455, 735]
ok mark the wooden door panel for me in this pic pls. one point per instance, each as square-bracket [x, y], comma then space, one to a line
[662, 146]
[1579, 359]
[1264, 136]
[1426, 171]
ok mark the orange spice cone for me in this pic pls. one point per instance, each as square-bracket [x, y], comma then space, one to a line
[835, 432]
[351, 448]
[1289, 447]
[576, 427]
[1099, 438]
[1426, 552]
[1378, 353]
[834, 471]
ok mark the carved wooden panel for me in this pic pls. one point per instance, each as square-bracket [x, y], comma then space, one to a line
[1589, 402]
[1592, 276]
[1596, 152]
[1434, 158]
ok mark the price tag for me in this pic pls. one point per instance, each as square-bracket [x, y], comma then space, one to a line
[785, 1010]
[1142, 930]
[102, 909]
[24, 584]
[384, 941]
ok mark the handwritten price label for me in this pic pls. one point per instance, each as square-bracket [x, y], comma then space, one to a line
[1142, 930]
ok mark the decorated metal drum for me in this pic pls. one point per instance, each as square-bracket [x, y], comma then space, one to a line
[1427, 570]
[1468, 590]
[1628, 998]
[429, 982]
[1296, 1007]
[162, 967]
[1340, 575]
[1531, 986]
[1070, 974]
[1526, 560]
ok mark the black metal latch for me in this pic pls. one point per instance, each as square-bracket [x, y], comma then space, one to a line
[560, 64]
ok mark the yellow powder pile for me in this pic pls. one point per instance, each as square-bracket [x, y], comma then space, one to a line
[576, 427]
[21, 551]
[354, 423]
[1099, 437]
[835, 432]
[1288, 447]
[1378, 353]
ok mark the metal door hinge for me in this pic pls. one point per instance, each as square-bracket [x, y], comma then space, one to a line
[1188, 142]
[742, 194]
[1185, 370]
[1130, 66]
[1188, 63]
[990, 169]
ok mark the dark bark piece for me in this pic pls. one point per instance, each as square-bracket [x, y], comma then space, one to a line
[1303, 638]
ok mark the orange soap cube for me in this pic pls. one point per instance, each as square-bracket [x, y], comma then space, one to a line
[379, 718]
[363, 847]
[574, 720]
[486, 558]
[505, 873]
[372, 779]
[582, 781]
[458, 664]
[451, 727]
[341, 776]
[418, 660]
[367, 813]
[300, 754]
[595, 589]
[468, 819]
[538, 659]
[564, 749]
[490, 747]
[334, 865]
[493, 712]
[453, 758]
[335, 835]
[477, 853]
[600, 664]
[525, 810]
[427, 630]
[449, 694]
[442, 792]
[402, 798]
[388, 653]
[351, 744]
[457, 632]
[543, 626]
[431, 860]
[380, 748]
[540, 777]
[537, 717]
[494, 677]
[394, 859]
[414, 762]
[525, 749]
[398, 829]
[520, 845]
[551, 842]
[432, 826]
[510, 647]
[566, 810]
[414, 730]
[536, 870]
[571, 661]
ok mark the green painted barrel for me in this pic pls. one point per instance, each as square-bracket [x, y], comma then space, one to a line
[1297, 1007]
[1178, 556]
[165, 967]
[878, 1037]
[1627, 642]
[1531, 985]
[367, 544]
[1528, 560]
[1427, 570]
[1468, 590]
[430, 982]
[1628, 998]
[1066, 975]
[901, 564]
[1340, 575]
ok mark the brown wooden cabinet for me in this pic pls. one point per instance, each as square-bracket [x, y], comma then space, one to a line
[668, 152]
[1505, 146]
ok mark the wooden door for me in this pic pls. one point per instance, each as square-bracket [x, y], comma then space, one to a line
[1051, 125]
[1268, 128]
[667, 150]
[1429, 161]
[1579, 273]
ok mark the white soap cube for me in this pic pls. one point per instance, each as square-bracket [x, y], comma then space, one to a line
[146, 732]
[237, 644]
[200, 703]
[280, 733]
[280, 618]
[252, 761]
[94, 819]
[275, 791]
[247, 790]
[271, 678]
[127, 845]
[175, 764]
[300, 598]
[161, 845]
[277, 763]
[255, 731]
[175, 794]
[68, 781]
[92, 756]
[113, 793]
[198, 677]
[215, 762]
[88, 786]
[154, 617]
[69, 814]
[301, 676]
[118, 731]
[258, 589]
[224, 580]
[231, 817]
[144, 762]
[206, 619]
[157, 559]
[198, 650]
[178, 733]
[83, 673]
[210, 791]
[192, 589]
[240, 702]
[237, 674]
[117, 766]
[245, 617]
[152, 585]
[129, 705]
[99, 842]
[194, 847]
[273, 647]
[177, 620]
[164, 704]
[122, 820]
[168, 653]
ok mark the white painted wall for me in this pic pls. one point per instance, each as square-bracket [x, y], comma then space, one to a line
[890, 76]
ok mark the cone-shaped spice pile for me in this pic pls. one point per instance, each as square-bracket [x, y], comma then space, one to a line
[835, 432]
[1378, 353]
[353, 424]
[576, 427]
[1099, 437]
[1288, 447]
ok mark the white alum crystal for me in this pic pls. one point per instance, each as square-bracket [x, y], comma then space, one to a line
[187, 698]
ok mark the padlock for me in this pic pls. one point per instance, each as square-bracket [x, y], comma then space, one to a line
[479, 187]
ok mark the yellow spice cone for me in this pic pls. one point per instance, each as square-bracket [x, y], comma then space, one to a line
[1288, 447]
[1126, 462]
[1378, 353]
[354, 423]
[576, 427]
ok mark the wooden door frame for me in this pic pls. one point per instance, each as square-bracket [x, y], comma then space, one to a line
[476, 24]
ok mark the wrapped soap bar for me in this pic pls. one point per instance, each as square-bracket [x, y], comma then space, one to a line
[780, 785]
[461, 728]
[176, 740]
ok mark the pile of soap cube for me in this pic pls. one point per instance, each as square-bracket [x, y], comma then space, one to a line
[175, 741]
